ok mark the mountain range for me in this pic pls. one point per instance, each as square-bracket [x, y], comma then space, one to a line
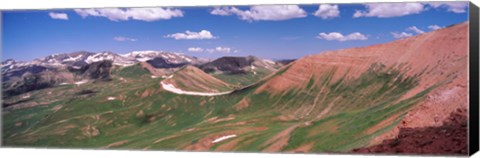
[384, 98]
[19, 76]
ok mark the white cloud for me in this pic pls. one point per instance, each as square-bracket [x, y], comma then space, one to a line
[222, 11]
[401, 35]
[326, 11]
[415, 29]
[264, 12]
[336, 36]
[455, 7]
[143, 14]
[123, 39]
[220, 50]
[387, 10]
[189, 35]
[195, 49]
[60, 16]
[434, 27]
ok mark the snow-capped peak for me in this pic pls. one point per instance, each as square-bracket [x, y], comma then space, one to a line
[141, 53]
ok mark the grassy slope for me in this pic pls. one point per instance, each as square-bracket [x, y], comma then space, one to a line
[162, 120]
[190, 78]
[244, 79]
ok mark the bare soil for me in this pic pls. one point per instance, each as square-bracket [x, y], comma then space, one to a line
[448, 139]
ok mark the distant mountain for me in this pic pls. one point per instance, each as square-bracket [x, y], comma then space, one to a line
[69, 59]
[176, 58]
[235, 65]
[240, 71]
[159, 62]
[83, 65]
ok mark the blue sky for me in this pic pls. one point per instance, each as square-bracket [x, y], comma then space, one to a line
[275, 32]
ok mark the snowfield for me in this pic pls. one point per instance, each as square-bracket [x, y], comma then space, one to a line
[171, 88]
[73, 58]
[167, 77]
[81, 82]
[223, 138]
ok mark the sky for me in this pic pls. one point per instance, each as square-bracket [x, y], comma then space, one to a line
[266, 31]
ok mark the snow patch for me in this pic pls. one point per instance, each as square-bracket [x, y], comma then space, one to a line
[252, 67]
[73, 58]
[187, 59]
[224, 138]
[98, 57]
[167, 77]
[124, 64]
[81, 82]
[26, 96]
[111, 98]
[143, 59]
[154, 76]
[64, 83]
[171, 88]
[269, 61]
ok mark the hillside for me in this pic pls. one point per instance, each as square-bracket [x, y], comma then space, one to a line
[190, 78]
[240, 71]
[408, 83]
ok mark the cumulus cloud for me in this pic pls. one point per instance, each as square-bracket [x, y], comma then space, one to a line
[142, 14]
[326, 11]
[415, 29]
[455, 7]
[434, 27]
[123, 39]
[258, 13]
[387, 10]
[189, 35]
[195, 49]
[60, 16]
[219, 49]
[336, 36]
[222, 11]
[401, 35]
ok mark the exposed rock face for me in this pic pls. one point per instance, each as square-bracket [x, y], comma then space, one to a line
[163, 63]
[99, 70]
[26, 83]
[96, 70]
[449, 138]
[33, 69]
[239, 65]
